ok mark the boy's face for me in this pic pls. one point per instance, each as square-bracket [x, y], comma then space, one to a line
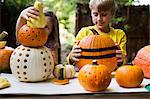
[101, 18]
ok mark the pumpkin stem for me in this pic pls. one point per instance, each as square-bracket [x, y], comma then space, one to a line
[61, 74]
[3, 34]
[94, 62]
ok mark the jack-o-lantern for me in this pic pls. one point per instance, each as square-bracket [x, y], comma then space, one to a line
[142, 60]
[69, 70]
[31, 64]
[129, 76]
[94, 77]
[99, 47]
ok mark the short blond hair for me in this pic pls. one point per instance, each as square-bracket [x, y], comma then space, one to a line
[102, 5]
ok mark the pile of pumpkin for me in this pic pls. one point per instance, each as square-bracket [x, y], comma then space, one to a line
[32, 61]
[98, 61]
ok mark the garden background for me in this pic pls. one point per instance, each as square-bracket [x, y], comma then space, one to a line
[131, 16]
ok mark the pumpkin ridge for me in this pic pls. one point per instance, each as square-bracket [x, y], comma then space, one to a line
[142, 58]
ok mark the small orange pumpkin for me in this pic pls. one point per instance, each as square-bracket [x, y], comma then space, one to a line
[129, 76]
[142, 59]
[99, 47]
[94, 77]
[32, 37]
[5, 54]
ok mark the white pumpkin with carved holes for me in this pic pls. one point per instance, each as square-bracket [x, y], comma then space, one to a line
[69, 70]
[31, 64]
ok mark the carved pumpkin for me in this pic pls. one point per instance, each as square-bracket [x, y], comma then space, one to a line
[129, 76]
[31, 64]
[94, 77]
[5, 54]
[32, 37]
[99, 47]
[142, 59]
[69, 70]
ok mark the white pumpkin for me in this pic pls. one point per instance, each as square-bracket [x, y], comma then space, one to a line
[31, 64]
[69, 71]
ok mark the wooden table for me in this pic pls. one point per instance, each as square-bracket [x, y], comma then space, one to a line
[73, 90]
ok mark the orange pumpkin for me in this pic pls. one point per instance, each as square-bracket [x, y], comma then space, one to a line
[129, 76]
[99, 47]
[5, 54]
[142, 59]
[94, 77]
[32, 37]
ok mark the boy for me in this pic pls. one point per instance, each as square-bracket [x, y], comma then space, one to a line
[102, 11]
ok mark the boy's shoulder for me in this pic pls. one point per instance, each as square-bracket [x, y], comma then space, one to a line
[87, 28]
[117, 30]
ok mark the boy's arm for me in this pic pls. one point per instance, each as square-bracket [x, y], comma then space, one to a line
[122, 44]
[80, 35]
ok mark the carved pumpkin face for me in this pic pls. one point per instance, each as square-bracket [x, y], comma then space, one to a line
[142, 60]
[94, 77]
[99, 47]
[32, 37]
[129, 76]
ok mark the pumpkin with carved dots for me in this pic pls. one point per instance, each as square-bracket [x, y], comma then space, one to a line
[142, 60]
[129, 76]
[69, 71]
[31, 64]
[99, 47]
[32, 37]
[94, 77]
[34, 34]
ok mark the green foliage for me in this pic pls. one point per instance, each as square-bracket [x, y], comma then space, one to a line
[65, 11]
[118, 19]
[18, 3]
[124, 2]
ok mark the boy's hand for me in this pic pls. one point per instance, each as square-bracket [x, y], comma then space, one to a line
[119, 55]
[75, 53]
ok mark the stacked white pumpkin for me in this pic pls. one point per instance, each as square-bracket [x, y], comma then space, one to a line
[32, 61]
